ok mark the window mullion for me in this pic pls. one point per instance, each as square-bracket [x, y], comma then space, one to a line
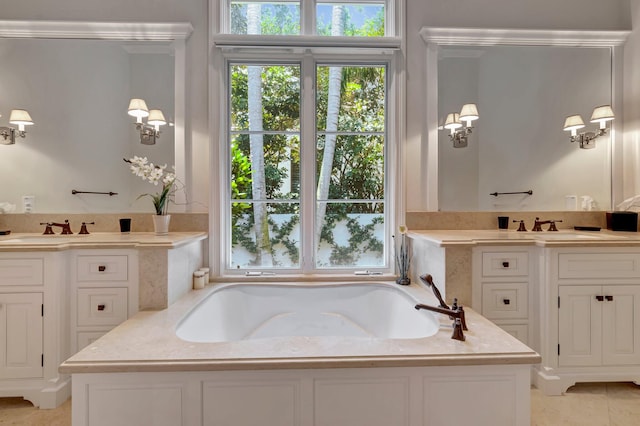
[308, 154]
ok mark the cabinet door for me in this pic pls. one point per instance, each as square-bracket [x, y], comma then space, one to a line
[580, 326]
[21, 335]
[621, 325]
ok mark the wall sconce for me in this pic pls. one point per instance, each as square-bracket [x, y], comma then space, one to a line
[19, 117]
[459, 132]
[150, 131]
[587, 140]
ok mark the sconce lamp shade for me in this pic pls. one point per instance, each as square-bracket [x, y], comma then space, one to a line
[156, 119]
[602, 114]
[453, 121]
[20, 117]
[469, 113]
[573, 123]
[138, 108]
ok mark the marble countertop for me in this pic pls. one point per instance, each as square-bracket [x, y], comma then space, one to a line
[97, 240]
[147, 342]
[561, 238]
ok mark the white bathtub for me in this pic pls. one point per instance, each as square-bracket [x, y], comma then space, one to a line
[255, 311]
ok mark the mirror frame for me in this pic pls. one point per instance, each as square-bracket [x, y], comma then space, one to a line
[434, 37]
[176, 33]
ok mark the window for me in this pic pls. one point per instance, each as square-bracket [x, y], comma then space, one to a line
[307, 136]
[359, 18]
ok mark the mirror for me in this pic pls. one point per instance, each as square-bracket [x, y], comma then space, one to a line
[524, 90]
[77, 91]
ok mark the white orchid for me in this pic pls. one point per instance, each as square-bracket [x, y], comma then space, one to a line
[155, 174]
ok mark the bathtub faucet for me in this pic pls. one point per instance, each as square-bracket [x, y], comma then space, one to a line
[455, 312]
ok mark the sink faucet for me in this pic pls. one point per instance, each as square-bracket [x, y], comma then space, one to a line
[538, 222]
[456, 313]
[66, 228]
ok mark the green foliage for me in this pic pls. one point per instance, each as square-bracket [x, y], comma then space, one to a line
[358, 167]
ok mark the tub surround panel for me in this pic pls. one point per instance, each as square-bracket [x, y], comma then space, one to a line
[488, 220]
[104, 222]
[451, 265]
[154, 293]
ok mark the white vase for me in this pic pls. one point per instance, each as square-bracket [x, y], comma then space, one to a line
[161, 224]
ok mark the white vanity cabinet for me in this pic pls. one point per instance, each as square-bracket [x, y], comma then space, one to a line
[33, 327]
[104, 292]
[590, 316]
[502, 287]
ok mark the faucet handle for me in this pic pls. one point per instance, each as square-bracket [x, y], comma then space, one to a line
[536, 225]
[66, 228]
[552, 225]
[83, 228]
[521, 227]
[47, 230]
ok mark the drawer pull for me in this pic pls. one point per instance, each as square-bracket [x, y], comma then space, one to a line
[608, 298]
[101, 307]
[505, 264]
[102, 268]
[506, 301]
[599, 298]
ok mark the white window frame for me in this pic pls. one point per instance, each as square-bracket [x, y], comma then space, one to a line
[227, 48]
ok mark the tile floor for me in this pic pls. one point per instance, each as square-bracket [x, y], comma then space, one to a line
[586, 404]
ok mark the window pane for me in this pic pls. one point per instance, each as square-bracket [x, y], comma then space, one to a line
[280, 18]
[351, 98]
[357, 172]
[278, 244]
[265, 165]
[344, 19]
[275, 102]
[350, 150]
[352, 235]
[280, 163]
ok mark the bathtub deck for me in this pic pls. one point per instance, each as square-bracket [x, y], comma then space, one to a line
[147, 343]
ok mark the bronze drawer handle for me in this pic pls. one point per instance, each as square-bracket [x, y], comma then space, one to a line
[599, 298]
[506, 301]
[505, 264]
[101, 307]
[102, 268]
[608, 298]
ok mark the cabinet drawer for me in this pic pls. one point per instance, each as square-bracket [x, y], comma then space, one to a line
[21, 271]
[102, 268]
[85, 338]
[599, 265]
[102, 306]
[505, 264]
[505, 300]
